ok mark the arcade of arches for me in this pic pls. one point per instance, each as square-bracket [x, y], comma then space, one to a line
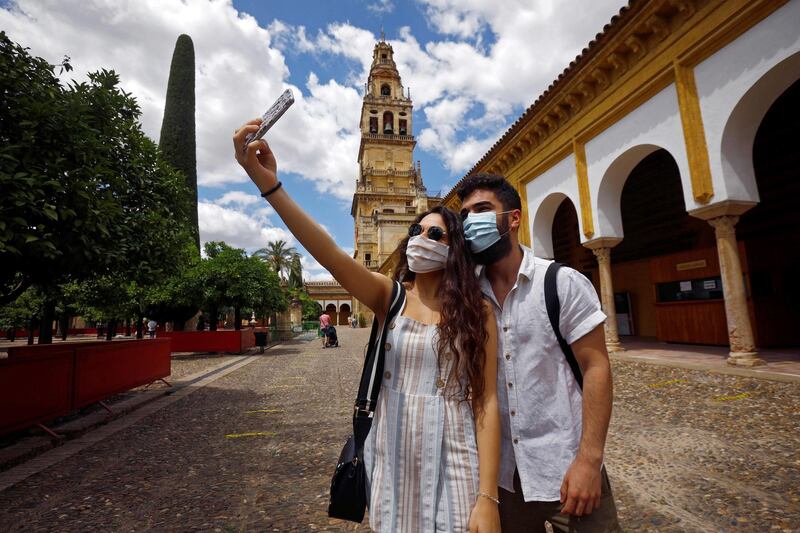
[662, 163]
[666, 272]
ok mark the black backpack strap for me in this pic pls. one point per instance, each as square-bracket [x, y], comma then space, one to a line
[372, 373]
[553, 313]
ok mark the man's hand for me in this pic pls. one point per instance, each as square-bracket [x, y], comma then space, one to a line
[581, 488]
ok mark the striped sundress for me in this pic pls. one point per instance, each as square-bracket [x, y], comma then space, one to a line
[421, 455]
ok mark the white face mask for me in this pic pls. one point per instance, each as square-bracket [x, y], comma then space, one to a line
[425, 255]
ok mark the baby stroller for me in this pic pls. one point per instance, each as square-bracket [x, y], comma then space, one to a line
[333, 340]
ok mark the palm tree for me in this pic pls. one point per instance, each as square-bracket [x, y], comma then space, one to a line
[278, 256]
[296, 272]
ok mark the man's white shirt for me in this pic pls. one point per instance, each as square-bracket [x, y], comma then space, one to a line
[540, 401]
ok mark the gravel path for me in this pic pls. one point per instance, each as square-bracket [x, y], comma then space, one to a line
[254, 451]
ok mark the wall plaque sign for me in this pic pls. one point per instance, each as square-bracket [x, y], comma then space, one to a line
[691, 265]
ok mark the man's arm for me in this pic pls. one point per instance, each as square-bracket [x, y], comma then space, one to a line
[581, 488]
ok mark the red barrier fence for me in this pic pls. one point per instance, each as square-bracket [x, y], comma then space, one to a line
[41, 382]
[230, 341]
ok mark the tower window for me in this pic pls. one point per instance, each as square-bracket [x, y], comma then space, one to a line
[388, 123]
[386, 90]
[373, 124]
[403, 129]
[383, 56]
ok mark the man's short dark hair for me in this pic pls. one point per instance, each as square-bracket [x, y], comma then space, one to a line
[505, 192]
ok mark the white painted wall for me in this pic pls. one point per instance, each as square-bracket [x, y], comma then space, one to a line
[612, 155]
[545, 194]
[736, 87]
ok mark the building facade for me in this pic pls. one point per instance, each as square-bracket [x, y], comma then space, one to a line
[663, 164]
[334, 300]
[389, 191]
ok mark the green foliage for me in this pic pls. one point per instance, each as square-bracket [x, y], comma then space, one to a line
[177, 141]
[231, 279]
[177, 297]
[18, 313]
[84, 192]
[295, 272]
[311, 308]
[278, 256]
[102, 299]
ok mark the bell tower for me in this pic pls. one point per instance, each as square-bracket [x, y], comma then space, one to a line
[389, 189]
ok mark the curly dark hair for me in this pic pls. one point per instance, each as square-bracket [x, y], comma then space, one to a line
[462, 326]
[505, 192]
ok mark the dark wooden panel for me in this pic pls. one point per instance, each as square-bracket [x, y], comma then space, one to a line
[654, 217]
[692, 322]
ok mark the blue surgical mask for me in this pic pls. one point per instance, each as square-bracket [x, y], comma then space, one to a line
[480, 230]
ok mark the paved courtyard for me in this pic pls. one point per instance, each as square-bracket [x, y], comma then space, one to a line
[254, 450]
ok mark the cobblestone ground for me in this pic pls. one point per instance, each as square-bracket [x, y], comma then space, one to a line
[254, 451]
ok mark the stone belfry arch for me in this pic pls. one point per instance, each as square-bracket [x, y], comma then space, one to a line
[389, 189]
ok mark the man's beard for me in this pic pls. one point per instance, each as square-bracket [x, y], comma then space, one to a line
[497, 251]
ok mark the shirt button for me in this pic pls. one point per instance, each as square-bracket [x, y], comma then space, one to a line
[387, 346]
[510, 385]
[440, 383]
[387, 375]
[508, 357]
[505, 328]
[513, 413]
[391, 326]
[516, 441]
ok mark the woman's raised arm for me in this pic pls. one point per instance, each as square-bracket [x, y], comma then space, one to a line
[372, 289]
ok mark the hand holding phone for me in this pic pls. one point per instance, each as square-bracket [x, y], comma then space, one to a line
[272, 115]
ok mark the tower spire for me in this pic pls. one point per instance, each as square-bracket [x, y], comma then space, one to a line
[383, 36]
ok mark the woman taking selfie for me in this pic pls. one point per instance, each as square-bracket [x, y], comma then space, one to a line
[432, 455]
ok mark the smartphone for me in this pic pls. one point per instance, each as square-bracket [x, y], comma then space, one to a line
[272, 115]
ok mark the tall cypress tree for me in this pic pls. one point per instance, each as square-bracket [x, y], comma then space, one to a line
[178, 143]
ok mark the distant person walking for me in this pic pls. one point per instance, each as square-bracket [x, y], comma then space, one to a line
[324, 322]
[151, 328]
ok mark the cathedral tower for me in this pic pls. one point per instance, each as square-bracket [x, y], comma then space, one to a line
[389, 190]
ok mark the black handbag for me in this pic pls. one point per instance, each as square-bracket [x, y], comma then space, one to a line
[349, 484]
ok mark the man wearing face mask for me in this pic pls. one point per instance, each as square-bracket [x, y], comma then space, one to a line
[553, 431]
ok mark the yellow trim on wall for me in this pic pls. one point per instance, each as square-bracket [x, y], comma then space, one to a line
[652, 46]
[693, 134]
[525, 229]
[583, 188]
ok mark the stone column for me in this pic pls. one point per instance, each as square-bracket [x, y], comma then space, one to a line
[740, 331]
[603, 256]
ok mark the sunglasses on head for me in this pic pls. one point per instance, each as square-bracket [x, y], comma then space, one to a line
[434, 233]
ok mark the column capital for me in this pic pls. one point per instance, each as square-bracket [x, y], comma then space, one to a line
[603, 255]
[724, 226]
[602, 242]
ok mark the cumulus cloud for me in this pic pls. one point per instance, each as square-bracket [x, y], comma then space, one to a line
[381, 6]
[238, 198]
[239, 72]
[470, 91]
[237, 227]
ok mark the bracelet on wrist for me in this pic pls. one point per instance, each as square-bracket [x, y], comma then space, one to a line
[489, 497]
[272, 190]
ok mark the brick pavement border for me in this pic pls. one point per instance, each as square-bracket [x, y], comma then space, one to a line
[193, 383]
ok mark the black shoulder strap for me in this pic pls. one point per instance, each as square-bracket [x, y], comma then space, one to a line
[371, 375]
[553, 313]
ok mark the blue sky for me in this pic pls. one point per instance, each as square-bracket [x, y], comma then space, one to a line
[472, 65]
